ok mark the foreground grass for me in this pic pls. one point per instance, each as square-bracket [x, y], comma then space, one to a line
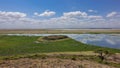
[22, 45]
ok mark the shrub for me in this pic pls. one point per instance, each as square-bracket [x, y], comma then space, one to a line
[102, 54]
[54, 37]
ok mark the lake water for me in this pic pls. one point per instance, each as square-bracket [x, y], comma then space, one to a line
[104, 40]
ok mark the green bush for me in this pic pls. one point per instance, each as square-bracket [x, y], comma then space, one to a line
[54, 37]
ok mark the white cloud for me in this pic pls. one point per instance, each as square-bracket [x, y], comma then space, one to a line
[45, 14]
[92, 11]
[12, 14]
[112, 14]
[95, 17]
[11, 17]
[74, 19]
[75, 14]
[35, 13]
[14, 20]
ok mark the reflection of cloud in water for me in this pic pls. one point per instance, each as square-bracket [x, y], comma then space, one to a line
[99, 39]
[88, 37]
[111, 41]
[84, 41]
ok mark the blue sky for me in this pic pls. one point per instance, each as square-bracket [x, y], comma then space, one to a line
[60, 6]
[42, 11]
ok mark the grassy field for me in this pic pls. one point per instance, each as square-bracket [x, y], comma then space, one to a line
[22, 51]
[22, 45]
[60, 31]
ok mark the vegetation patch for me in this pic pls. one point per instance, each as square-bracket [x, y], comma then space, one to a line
[52, 38]
[24, 45]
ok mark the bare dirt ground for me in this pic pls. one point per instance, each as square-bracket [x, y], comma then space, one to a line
[50, 63]
[114, 58]
[55, 62]
[53, 31]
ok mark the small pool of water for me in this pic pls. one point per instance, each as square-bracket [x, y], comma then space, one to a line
[104, 40]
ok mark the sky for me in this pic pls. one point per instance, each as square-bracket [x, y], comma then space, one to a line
[36, 14]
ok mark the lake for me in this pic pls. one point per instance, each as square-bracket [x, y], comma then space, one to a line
[104, 40]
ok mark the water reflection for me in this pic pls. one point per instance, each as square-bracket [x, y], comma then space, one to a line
[105, 40]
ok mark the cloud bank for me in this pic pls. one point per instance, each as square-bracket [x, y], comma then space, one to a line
[74, 19]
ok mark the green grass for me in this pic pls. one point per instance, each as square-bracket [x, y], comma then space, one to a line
[24, 45]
